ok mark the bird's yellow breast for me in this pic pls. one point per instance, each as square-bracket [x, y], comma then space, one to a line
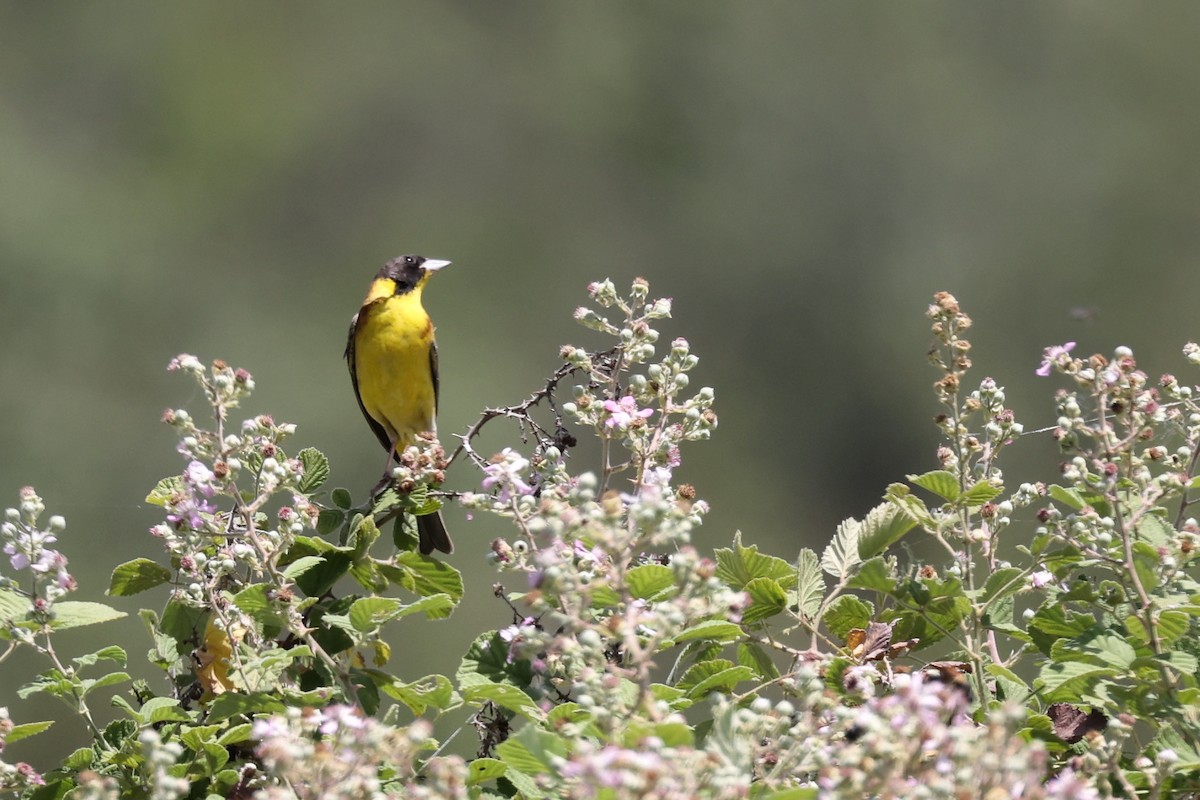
[392, 362]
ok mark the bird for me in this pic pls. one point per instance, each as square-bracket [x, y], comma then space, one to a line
[393, 361]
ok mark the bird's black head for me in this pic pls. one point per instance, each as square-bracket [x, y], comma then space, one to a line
[409, 272]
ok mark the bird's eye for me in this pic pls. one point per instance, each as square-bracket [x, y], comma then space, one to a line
[409, 260]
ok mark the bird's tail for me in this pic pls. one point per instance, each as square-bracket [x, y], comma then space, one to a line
[432, 533]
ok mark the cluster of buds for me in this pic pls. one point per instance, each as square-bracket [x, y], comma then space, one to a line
[29, 550]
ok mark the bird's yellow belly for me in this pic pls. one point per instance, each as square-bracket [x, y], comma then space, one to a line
[391, 353]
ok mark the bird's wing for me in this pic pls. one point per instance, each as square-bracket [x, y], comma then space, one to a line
[433, 374]
[378, 429]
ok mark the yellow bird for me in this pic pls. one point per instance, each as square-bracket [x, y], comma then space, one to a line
[394, 368]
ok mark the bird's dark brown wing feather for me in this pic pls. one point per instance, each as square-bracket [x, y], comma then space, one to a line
[378, 430]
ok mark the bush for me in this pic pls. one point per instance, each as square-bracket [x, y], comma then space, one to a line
[964, 639]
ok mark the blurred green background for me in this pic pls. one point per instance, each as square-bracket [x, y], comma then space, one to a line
[224, 179]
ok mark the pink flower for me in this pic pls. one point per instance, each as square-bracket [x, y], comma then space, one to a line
[1052, 354]
[624, 412]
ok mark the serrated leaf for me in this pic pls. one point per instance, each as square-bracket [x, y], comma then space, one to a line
[162, 709]
[532, 751]
[739, 565]
[232, 704]
[300, 566]
[810, 584]
[845, 614]
[329, 520]
[648, 580]
[319, 579]
[13, 606]
[718, 630]
[25, 730]
[1057, 674]
[1155, 530]
[487, 660]
[980, 493]
[1015, 689]
[767, 599]
[939, 481]
[883, 526]
[341, 498]
[425, 576]
[369, 613]
[1068, 497]
[717, 675]
[1182, 662]
[80, 759]
[78, 613]
[1002, 583]
[841, 555]
[164, 490]
[482, 770]
[752, 655]
[432, 691]
[874, 575]
[315, 469]
[505, 696]
[137, 576]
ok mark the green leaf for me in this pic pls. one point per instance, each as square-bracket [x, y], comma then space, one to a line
[767, 599]
[319, 579]
[941, 482]
[1182, 662]
[1170, 625]
[300, 566]
[482, 770]
[810, 584]
[1068, 497]
[137, 576]
[369, 613]
[342, 499]
[487, 659]
[425, 576]
[232, 704]
[883, 526]
[1002, 583]
[532, 751]
[846, 613]
[13, 606]
[316, 469]
[717, 630]
[1071, 677]
[1014, 688]
[841, 558]
[432, 691]
[25, 730]
[505, 696]
[739, 565]
[78, 613]
[909, 505]
[979, 494]
[112, 653]
[1155, 530]
[162, 709]
[329, 520]
[752, 655]
[718, 675]
[647, 581]
[874, 575]
[164, 490]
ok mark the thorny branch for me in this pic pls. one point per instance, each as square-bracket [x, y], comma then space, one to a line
[603, 364]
